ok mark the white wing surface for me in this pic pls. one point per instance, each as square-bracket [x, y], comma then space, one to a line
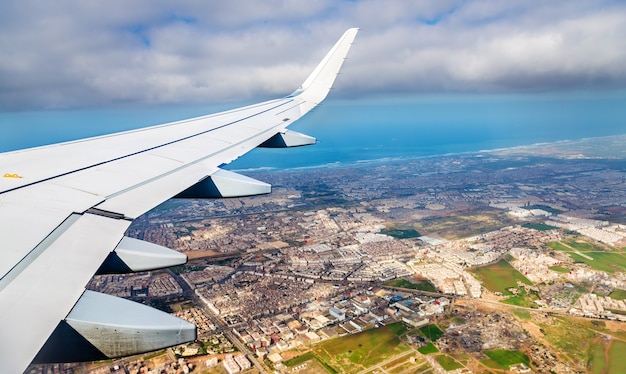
[64, 209]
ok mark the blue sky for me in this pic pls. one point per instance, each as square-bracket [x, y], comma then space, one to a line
[71, 69]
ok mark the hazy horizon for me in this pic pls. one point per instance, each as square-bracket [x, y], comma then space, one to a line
[353, 131]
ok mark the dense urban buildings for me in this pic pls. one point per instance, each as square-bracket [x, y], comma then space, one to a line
[496, 250]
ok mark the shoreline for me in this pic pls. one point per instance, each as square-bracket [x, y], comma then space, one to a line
[391, 159]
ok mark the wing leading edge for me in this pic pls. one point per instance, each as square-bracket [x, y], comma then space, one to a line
[64, 209]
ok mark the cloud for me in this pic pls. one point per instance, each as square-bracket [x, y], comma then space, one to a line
[519, 47]
[78, 54]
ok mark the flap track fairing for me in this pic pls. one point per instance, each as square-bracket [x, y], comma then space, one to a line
[132, 255]
[103, 326]
[224, 183]
[288, 139]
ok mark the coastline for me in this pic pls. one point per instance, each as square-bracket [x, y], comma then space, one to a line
[559, 146]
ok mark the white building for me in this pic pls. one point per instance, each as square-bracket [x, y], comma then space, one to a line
[340, 315]
[243, 362]
[230, 365]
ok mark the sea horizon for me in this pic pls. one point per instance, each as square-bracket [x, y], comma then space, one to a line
[384, 160]
[361, 131]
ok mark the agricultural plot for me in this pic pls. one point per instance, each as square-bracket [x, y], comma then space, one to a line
[431, 331]
[607, 356]
[356, 352]
[505, 358]
[422, 285]
[428, 349]
[448, 363]
[618, 294]
[398, 328]
[499, 277]
[522, 314]
[539, 226]
[617, 357]
[298, 360]
[597, 258]
[410, 363]
[571, 337]
[520, 300]
[399, 233]
[455, 227]
[559, 247]
[597, 358]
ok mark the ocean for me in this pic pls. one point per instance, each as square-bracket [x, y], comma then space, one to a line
[364, 130]
[375, 130]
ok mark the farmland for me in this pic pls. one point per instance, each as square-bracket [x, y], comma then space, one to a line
[499, 277]
[353, 353]
[596, 257]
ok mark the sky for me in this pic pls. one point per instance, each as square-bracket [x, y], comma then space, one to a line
[72, 68]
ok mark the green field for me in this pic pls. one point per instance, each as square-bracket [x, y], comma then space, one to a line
[584, 343]
[522, 314]
[404, 364]
[597, 360]
[448, 362]
[356, 352]
[398, 328]
[428, 349]
[618, 294]
[539, 226]
[617, 357]
[300, 359]
[597, 258]
[572, 336]
[506, 358]
[580, 245]
[422, 285]
[401, 233]
[609, 262]
[431, 331]
[500, 276]
[520, 300]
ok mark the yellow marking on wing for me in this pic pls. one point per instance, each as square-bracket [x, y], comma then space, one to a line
[11, 175]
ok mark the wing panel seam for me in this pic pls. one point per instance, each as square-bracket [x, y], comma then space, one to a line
[31, 256]
[186, 165]
[147, 149]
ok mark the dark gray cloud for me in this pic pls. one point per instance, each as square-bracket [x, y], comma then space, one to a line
[73, 53]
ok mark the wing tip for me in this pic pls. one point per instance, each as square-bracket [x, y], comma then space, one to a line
[317, 85]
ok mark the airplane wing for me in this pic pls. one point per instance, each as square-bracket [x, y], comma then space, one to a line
[64, 209]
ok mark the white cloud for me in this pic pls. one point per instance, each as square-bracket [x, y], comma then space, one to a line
[73, 53]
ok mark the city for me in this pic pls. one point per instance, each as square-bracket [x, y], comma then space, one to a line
[459, 260]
